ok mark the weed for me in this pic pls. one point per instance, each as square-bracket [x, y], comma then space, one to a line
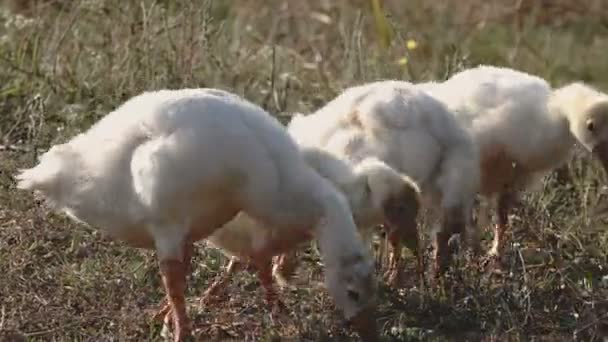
[64, 64]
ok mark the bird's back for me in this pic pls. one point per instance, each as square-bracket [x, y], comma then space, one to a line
[505, 108]
[193, 153]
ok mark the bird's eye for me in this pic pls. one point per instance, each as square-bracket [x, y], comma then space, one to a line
[590, 126]
[353, 295]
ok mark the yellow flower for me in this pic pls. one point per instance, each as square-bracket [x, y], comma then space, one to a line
[402, 61]
[411, 44]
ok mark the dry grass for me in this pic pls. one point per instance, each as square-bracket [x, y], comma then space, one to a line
[65, 64]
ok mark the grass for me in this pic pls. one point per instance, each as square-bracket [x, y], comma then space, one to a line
[63, 65]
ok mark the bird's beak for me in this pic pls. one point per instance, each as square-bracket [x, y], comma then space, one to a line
[364, 323]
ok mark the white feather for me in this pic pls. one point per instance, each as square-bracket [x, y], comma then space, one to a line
[176, 164]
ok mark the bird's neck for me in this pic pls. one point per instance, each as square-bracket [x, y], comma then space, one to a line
[335, 230]
[565, 105]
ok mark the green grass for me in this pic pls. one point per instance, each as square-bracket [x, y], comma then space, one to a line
[63, 65]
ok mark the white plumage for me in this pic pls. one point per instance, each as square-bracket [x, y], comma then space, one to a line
[523, 127]
[376, 194]
[167, 168]
[411, 132]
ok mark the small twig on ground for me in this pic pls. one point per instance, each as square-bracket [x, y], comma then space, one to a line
[61, 327]
[14, 148]
[589, 325]
[2, 316]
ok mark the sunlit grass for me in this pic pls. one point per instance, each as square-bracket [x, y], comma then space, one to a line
[63, 65]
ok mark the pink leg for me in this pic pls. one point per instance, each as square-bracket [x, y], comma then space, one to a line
[395, 236]
[174, 280]
[393, 274]
[400, 215]
[505, 203]
[440, 253]
[419, 259]
[265, 277]
[165, 311]
[473, 240]
[498, 242]
[454, 223]
[220, 282]
[264, 266]
[284, 266]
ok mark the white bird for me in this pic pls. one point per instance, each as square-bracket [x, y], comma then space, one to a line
[410, 131]
[167, 168]
[376, 194]
[523, 128]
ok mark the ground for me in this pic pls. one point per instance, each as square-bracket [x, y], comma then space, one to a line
[64, 64]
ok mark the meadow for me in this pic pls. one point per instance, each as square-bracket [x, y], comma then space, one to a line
[65, 64]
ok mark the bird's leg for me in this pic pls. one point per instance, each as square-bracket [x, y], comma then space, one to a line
[220, 282]
[416, 248]
[173, 274]
[164, 312]
[263, 259]
[264, 266]
[411, 238]
[472, 239]
[393, 274]
[506, 201]
[400, 213]
[440, 252]
[453, 223]
[284, 267]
